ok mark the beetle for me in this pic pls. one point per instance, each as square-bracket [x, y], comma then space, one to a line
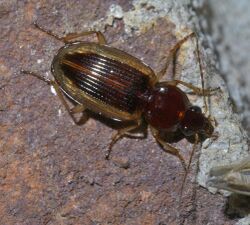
[117, 85]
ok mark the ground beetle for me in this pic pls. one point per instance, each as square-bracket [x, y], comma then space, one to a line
[117, 85]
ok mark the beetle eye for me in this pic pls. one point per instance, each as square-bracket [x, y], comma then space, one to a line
[195, 108]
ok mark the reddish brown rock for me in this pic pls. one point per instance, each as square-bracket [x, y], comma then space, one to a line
[54, 172]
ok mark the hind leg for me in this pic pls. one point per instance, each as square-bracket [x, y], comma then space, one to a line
[72, 111]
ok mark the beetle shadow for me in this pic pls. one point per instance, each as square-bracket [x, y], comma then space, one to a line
[117, 125]
[169, 137]
[174, 137]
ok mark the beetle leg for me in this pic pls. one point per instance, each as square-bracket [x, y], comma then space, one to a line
[135, 135]
[47, 31]
[172, 54]
[42, 78]
[99, 35]
[196, 90]
[168, 147]
[67, 38]
[120, 134]
[66, 105]
[77, 109]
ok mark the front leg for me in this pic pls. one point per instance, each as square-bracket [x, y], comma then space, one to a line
[168, 147]
[196, 90]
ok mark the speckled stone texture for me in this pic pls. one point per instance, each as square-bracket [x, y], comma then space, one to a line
[53, 171]
[225, 25]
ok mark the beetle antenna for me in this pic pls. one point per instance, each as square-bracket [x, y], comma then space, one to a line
[189, 163]
[201, 72]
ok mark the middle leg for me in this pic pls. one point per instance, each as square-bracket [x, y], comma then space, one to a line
[121, 133]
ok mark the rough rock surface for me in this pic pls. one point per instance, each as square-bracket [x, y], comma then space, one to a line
[225, 25]
[54, 172]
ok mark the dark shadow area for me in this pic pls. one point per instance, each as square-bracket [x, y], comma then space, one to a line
[238, 206]
[173, 137]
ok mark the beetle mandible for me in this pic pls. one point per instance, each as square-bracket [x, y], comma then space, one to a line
[117, 85]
